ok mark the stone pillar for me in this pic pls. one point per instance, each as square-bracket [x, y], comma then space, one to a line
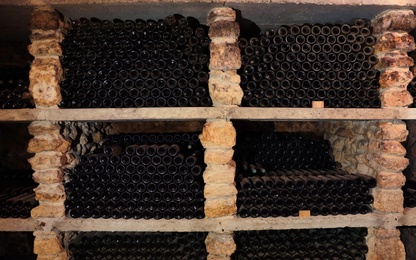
[220, 246]
[48, 145]
[219, 136]
[393, 43]
[384, 244]
[45, 72]
[386, 153]
[50, 150]
[225, 60]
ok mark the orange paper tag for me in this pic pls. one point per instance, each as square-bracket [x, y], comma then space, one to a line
[304, 213]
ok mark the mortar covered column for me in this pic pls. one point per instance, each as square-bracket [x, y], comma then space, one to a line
[47, 29]
[219, 136]
[50, 150]
[225, 60]
[386, 154]
[393, 43]
[49, 146]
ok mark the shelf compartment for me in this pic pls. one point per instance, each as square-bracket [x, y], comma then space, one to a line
[146, 245]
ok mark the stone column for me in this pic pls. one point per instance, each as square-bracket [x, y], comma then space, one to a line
[386, 153]
[47, 32]
[48, 145]
[220, 246]
[393, 43]
[219, 136]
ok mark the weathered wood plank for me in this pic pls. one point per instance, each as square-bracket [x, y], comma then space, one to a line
[315, 114]
[203, 113]
[113, 114]
[227, 223]
[17, 224]
[408, 218]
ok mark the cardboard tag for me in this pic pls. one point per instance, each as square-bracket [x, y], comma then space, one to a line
[304, 213]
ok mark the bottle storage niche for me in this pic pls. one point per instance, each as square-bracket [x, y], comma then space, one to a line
[16, 245]
[338, 243]
[409, 188]
[139, 176]
[126, 63]
[138, 245]
[17, 197]
[408, 237]
[293, 65]
[279, 174]
[14, 89]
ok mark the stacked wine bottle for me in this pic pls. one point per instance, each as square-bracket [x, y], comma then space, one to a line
[285, 193]
[297, 64]
[279, 174]
[17, 197]
[137, 63]
[156, 179]
[283, 151]
[409, 193]
[14, 90]
[339, 243]
[139, 245]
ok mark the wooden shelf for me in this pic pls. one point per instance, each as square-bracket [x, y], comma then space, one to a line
[203, 113]
[408, 218]
[319, 114]
[112, 114]
[230, 223]
[17, 224]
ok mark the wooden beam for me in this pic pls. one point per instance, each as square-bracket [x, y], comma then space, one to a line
[317, 114]
[17, 224]
[203, 113]
[230, 223]
[113, 114]
[408, 218]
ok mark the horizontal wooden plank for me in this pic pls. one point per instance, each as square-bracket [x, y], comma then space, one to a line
[17, 224]
[408, 218]
[230, 223]
[203, 113]
[313, 114]
[113, 114]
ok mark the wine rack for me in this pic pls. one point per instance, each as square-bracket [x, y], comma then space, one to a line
[137, 63]
[17, 195]
[14, 89]
[340, 243]
[139, 245]
[279, 175]
[297, 64]
[375, 221]
[139, 176]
